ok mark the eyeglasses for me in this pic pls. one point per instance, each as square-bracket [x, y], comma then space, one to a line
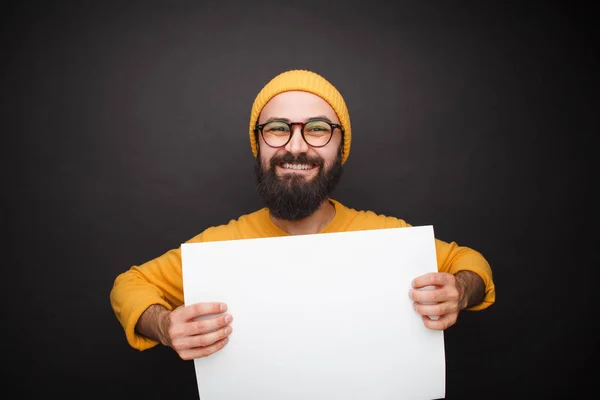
[316, 133]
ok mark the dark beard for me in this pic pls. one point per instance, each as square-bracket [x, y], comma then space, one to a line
[290, 197]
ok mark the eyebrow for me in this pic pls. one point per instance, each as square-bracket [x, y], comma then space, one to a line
[319, 117]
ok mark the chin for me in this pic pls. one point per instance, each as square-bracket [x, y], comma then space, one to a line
[293, 179]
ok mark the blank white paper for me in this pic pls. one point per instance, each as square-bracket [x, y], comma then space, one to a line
[324, 316]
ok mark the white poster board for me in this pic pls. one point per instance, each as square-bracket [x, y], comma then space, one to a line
[323, 316]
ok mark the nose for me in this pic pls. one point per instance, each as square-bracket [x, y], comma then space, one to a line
[296, 145]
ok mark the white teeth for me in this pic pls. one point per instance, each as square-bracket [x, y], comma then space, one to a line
[296, 166]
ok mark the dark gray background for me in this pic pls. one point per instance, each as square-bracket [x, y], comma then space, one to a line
[124, 129]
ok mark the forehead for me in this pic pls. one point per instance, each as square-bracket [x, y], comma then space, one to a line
[297, 106]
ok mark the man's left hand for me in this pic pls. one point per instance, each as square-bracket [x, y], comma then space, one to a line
[437, 297]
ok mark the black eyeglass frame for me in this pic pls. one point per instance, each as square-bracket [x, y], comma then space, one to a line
[259, 128]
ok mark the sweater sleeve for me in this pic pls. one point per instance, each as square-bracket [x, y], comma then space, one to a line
[158, 281]
[453, 258]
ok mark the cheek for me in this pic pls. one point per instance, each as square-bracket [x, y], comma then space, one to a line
[265, 153]
[264, 163]
[265, 159]
[329, 157]
[332, 150]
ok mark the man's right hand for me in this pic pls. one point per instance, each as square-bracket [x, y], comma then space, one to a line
[191, 337]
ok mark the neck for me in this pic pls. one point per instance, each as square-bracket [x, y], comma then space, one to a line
[309, 225]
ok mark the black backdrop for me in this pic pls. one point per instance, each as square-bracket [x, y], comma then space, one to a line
[124, 129]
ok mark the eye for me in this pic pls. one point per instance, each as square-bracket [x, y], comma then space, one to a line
[317, 127]
[276, 127]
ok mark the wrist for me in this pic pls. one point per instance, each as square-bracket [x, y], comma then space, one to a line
[471, 289]
[154, 324]
[463, 299]
[162, 324]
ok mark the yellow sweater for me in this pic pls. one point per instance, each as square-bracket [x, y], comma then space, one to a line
[159, 281]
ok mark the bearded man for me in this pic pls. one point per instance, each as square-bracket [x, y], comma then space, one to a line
[300, 134]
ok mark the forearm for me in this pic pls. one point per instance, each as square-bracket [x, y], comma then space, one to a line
[455, 259]
[471, 289]
[153, 324]
[156, 282]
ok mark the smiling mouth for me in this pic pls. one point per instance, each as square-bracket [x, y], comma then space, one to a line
[296, 166]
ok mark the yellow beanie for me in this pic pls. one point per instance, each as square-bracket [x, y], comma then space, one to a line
[306, 81]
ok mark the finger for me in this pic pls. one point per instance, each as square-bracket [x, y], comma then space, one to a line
[432, 279]
[437, 309]
[206, 340]
[208, 325]
[442, 323]
[428, 295]
[199, 352]
[192, 311]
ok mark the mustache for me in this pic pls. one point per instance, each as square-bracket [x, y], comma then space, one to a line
[300, 158]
